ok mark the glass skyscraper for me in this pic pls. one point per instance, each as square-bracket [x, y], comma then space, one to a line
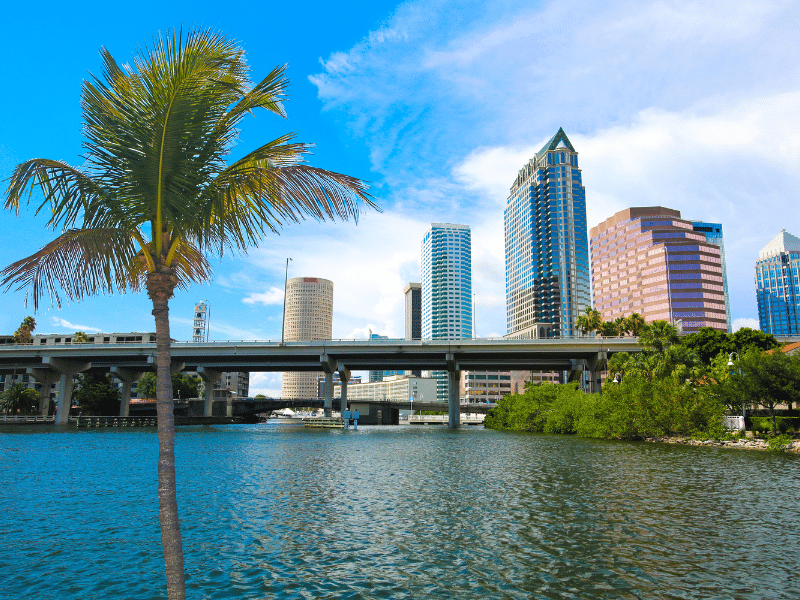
[546, 244]
[713, 233]
[446, 267]
[778, 285]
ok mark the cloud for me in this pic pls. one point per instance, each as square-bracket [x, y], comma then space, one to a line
[272, 296]
[59, 322]
[267, 383]
[746, 322]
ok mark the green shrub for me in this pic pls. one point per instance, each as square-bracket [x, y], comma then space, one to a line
[778, 443]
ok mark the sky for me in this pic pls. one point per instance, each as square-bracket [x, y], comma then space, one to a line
[689, 105]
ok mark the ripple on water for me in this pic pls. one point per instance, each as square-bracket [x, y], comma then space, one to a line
[396, 513]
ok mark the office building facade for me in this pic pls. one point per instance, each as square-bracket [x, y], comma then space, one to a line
[713, 233]
[413, 313]
[777, 281]
[546, 247]
[648, 260]
[446, 288]
[308, 317]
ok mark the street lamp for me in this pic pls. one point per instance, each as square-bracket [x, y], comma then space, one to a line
[731, 364]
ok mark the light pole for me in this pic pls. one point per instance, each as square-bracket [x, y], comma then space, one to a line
[731, 364]
[285, 284]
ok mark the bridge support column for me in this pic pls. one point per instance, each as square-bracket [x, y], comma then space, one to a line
[66, 369]
[453, 403]
[328, 394]
[344, 378]
[209, 377]
[46, 379]
[596, 364]
[126, 377]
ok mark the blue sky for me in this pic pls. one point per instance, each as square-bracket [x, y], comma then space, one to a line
[691, 105]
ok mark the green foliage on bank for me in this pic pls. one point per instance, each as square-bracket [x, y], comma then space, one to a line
[633, 409]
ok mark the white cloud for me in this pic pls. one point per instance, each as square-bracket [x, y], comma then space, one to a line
[745, 322]
[272, 296]
[59, 322]
[268, 384]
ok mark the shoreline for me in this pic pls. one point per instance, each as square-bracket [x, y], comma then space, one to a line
[740, 444]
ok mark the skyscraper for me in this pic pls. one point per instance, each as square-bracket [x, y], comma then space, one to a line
[446, 288]
[413, 294]
[309, 317]
[713, 233]
[778, 285]
[547, 251]
[648, 260]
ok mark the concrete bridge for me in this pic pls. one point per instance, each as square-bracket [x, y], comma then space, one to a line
[127, 362]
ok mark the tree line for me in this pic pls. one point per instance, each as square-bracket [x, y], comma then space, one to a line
[675, 385]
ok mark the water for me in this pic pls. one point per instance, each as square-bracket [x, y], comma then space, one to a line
[400, 512]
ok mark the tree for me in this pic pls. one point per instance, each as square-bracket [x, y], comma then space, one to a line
[609, 329]
[183, 386]
[769, 378]
[746, 339]
[591, 320]
[96, 394]
[708, 342]
[80, 338]
[658, 336]
[635, 324]
[24, 333]
[154, 197]
[20, 399]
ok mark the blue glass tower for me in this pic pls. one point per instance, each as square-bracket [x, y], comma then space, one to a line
[546, 244]
[446, 267]
[778, 285]
[713, 233]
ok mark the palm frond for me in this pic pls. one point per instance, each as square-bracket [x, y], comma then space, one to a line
[66, 190]
[269, 188]
[269, 94]
[81, 262]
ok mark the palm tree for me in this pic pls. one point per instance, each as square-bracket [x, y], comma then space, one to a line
[635, 324]
[591, 320]
[20, 399]
[24, 333]
[155, 197]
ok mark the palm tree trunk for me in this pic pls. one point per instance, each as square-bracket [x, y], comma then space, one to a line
[160, 287]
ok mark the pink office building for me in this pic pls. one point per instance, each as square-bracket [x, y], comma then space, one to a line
[648, 260]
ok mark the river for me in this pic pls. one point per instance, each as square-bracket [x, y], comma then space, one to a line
[273, 512]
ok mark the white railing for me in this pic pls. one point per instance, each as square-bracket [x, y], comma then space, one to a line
[734, 423]
[27, 419]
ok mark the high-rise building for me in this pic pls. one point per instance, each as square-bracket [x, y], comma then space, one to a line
[309, 317]
[413, 295]
[778, 285]
[547, 251]
[713, 233]
[446, 288]
[648, 260]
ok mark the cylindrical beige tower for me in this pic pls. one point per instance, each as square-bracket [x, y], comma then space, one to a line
[309, 317]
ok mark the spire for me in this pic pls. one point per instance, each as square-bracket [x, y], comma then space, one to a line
[559, 140]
